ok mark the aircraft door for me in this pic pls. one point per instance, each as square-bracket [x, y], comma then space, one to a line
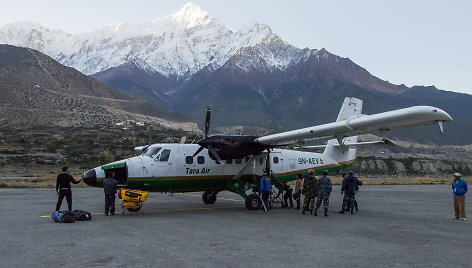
[277, 163]
[121, 173]
[162, 163]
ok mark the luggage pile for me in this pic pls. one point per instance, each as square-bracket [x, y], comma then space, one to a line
[132, 200]
[71, 216]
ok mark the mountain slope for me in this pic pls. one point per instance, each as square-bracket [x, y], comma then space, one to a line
[246, 91]
[35, 89]
[188, 61]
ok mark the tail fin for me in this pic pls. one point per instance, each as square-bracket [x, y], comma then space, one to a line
[351, 108]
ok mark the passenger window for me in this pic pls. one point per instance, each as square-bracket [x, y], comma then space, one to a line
[238, 161]
[201, 159]
[229, 161]
[164, 155]
[189, 160]
[276, 160]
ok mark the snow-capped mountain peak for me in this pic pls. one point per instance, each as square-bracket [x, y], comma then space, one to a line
[176, 45]
[192, 15]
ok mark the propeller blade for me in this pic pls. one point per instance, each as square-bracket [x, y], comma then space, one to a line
[207, 121]
[215, 154]
[198, 151]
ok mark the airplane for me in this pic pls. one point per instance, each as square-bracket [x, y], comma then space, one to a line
[235, 162]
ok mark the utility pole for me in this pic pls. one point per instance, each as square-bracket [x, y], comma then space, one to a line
[150, 133]
[134, 138]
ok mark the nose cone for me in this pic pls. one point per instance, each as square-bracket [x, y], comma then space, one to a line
[90, 177]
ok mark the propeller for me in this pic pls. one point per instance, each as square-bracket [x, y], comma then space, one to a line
[203, 144]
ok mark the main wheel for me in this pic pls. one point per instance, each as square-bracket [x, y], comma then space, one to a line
[208, 197]
[253, 202]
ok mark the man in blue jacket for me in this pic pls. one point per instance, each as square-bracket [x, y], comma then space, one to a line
[265, 189]
[459, 189]
[323, 188]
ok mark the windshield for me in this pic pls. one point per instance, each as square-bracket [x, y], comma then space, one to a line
[152, 151]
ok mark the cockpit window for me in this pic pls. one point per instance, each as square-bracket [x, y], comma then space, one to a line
[152, 151]
[164, 155]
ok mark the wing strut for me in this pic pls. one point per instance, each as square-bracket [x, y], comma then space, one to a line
[440, 123]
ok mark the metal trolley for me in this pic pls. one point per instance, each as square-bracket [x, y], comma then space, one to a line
[132, 200]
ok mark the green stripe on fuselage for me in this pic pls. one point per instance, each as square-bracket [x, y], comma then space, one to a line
[214, 183]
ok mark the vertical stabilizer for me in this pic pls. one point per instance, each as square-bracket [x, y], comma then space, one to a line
[351, 108]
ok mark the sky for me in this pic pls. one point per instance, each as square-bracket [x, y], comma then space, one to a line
[411, 42]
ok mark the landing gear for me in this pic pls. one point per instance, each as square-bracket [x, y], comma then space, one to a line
[253, 202]
[209, 197]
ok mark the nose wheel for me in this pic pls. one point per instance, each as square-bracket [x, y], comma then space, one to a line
[209, 197]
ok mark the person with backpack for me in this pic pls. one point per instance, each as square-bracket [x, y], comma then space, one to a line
[298, 190]
[349, 188]
[109, 187]
[63, 188]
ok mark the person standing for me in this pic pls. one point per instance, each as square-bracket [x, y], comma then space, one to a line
[288, 194]
[109, 187]
[459, 189]
[349, 186]
[298, 189]
[63, 188]
[265, 187]
[309, 190]
[324, 188]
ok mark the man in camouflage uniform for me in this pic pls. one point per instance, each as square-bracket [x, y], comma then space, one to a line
[323, 187]
[309, 190]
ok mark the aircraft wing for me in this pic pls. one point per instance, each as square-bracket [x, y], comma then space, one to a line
[362, 124]
[317, 148]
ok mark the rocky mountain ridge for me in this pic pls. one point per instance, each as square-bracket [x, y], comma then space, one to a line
[38, 90]
[187, 61]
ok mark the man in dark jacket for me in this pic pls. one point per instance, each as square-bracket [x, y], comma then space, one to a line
[109, 187]
[63, 188]
[288, 194]
[349, 187]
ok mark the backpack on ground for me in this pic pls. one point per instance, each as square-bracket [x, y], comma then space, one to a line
[82, 215]
[63, 216]
[57, 216]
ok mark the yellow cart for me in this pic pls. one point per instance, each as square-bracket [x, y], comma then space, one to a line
[132, 200]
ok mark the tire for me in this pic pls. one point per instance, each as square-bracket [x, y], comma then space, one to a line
[253, 202]
[133, 209]
[208, 197]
